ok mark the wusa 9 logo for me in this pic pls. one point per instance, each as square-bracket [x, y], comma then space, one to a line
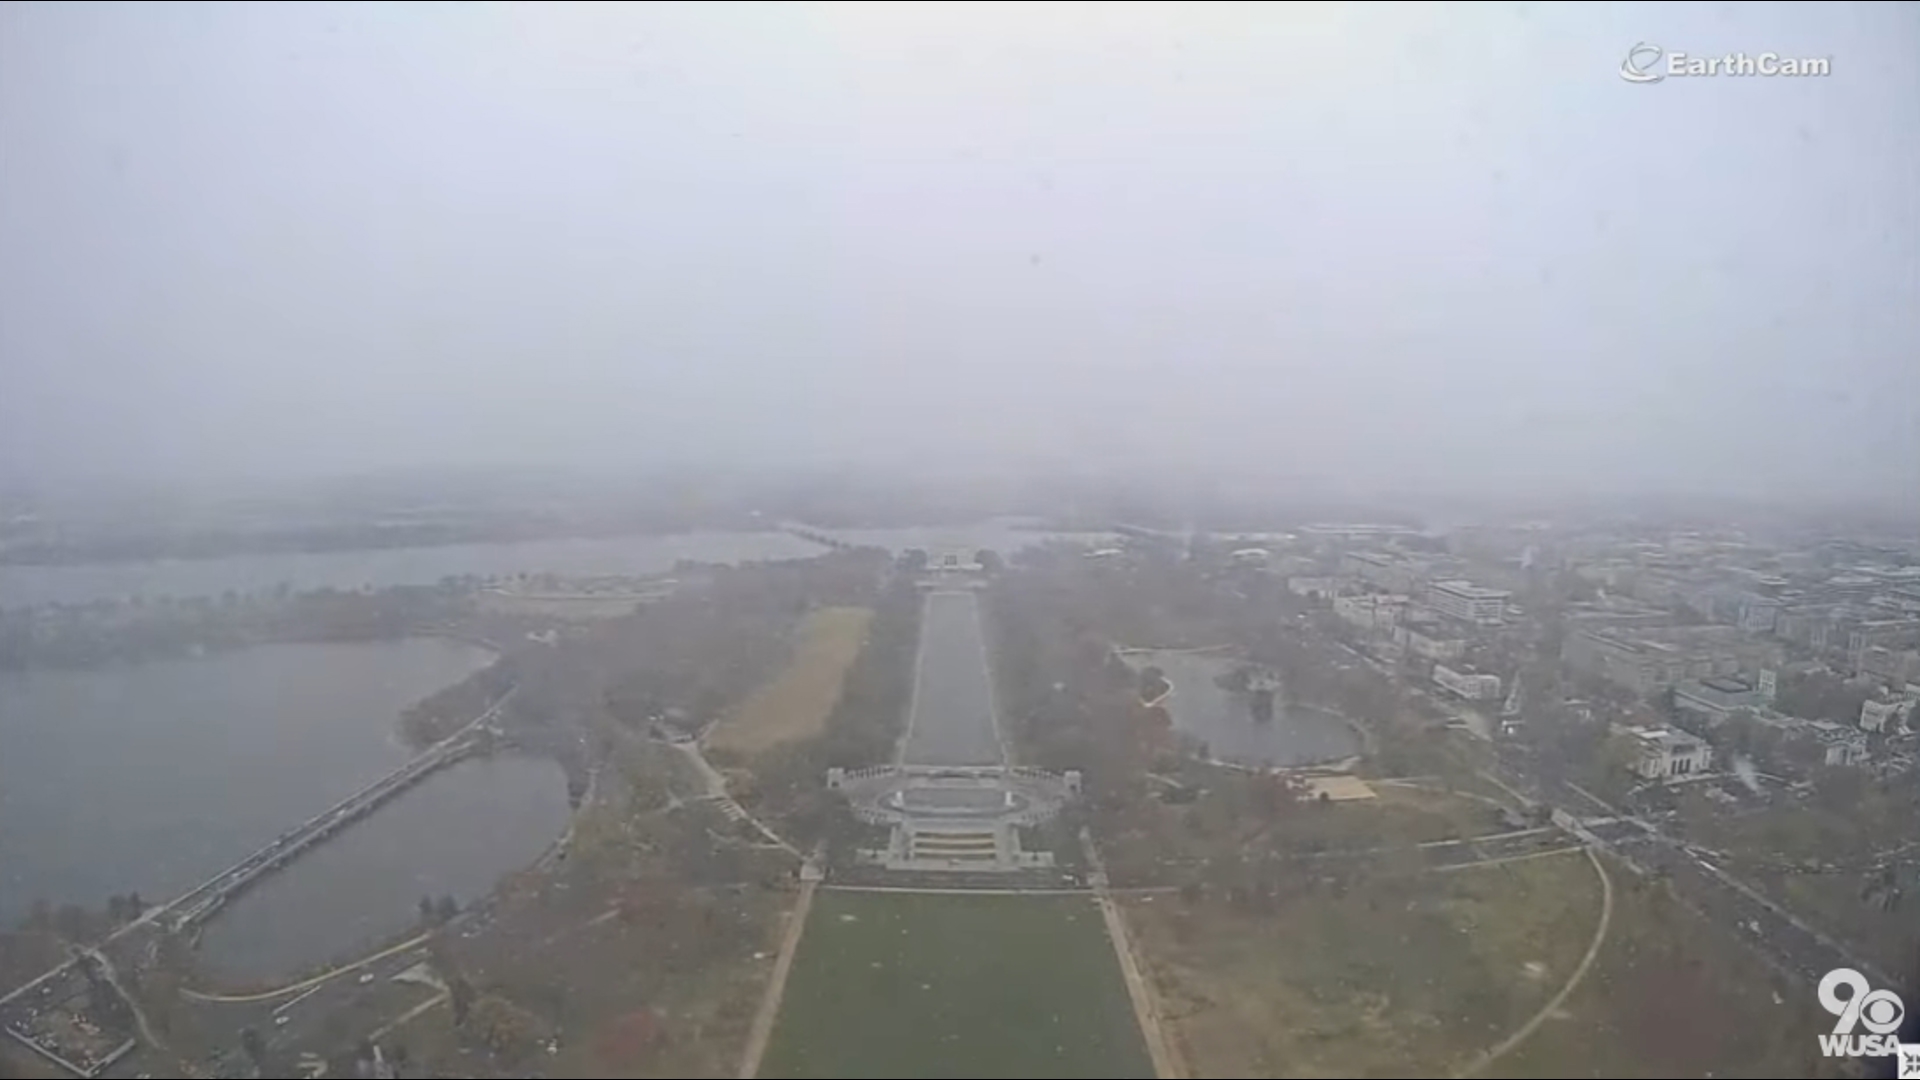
[1875, 1013]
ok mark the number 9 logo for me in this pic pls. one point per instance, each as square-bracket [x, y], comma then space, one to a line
[1879, 1011]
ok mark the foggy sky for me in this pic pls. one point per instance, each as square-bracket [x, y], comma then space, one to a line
[1372, 247]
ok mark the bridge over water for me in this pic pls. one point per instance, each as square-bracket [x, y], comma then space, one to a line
[209, 896]
[205, 899]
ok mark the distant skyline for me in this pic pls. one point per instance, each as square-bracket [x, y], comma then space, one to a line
[1354, 249]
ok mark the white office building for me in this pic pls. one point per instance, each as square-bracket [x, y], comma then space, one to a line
[1663, 753]
[1472, 685]
[1887, 714]
[1370, 612]
[1468, 602]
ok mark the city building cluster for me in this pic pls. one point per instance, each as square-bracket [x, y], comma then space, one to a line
[1680, 641]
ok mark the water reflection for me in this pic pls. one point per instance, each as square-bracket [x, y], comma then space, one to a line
[151, 777]
[1224, 720]
[455, 834]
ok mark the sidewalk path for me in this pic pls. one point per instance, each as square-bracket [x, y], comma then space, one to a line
[762, 1030]
[1167, 1061]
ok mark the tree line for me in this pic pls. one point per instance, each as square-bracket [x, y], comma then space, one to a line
[93, 634]
[863, 729]
[1067, 699]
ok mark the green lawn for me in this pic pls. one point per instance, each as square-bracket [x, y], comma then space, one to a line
[938, 985]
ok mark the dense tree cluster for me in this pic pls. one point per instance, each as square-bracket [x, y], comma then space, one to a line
[81, 635]
[686, 657]
[1822, 695]
[1067, 700]
[438, 912]
[444, 711]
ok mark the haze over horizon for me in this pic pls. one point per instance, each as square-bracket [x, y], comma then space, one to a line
[1418, 247]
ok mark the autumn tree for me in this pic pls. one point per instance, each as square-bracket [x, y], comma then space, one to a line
[503, 1027]
[1153, 683]
[460, 996]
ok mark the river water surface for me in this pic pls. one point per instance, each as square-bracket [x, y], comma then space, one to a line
[153, 777]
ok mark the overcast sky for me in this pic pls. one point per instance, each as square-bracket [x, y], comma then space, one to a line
[1384, 246]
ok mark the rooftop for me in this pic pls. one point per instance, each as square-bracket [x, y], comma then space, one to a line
[1664, 638]
[1378, 558]
[1667, 739]
[1469, 590]
[1357, 529]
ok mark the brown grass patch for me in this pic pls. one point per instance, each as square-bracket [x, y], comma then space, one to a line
[1404, 976]
[1672, 994]
[796, 703]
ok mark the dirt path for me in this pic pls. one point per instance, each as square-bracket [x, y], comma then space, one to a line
[762, 1031]
[1146, 1006]
[934, 890]
[1483, 864]
[139, 1015]
[716, 786]
[410, 1015]
[1506, 1045]
[1168, 1063]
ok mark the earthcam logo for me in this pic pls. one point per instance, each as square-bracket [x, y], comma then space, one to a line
[1642, 64]
[1649, 63]
[1877, 1013]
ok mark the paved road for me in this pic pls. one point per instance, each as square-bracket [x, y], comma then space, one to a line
[1783, 940]
[1786, 942]
[325, 1017]
[951, 721]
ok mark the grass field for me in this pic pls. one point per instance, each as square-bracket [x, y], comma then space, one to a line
[1229, 824]
[1672, 994]
[581, 607]
[1833, 903]
[1406, 976]
[939, 985]
[797, 702]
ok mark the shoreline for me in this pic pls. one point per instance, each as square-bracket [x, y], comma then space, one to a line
[9, 561]
[394, 734]
[200, 649]
[1342, 764]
